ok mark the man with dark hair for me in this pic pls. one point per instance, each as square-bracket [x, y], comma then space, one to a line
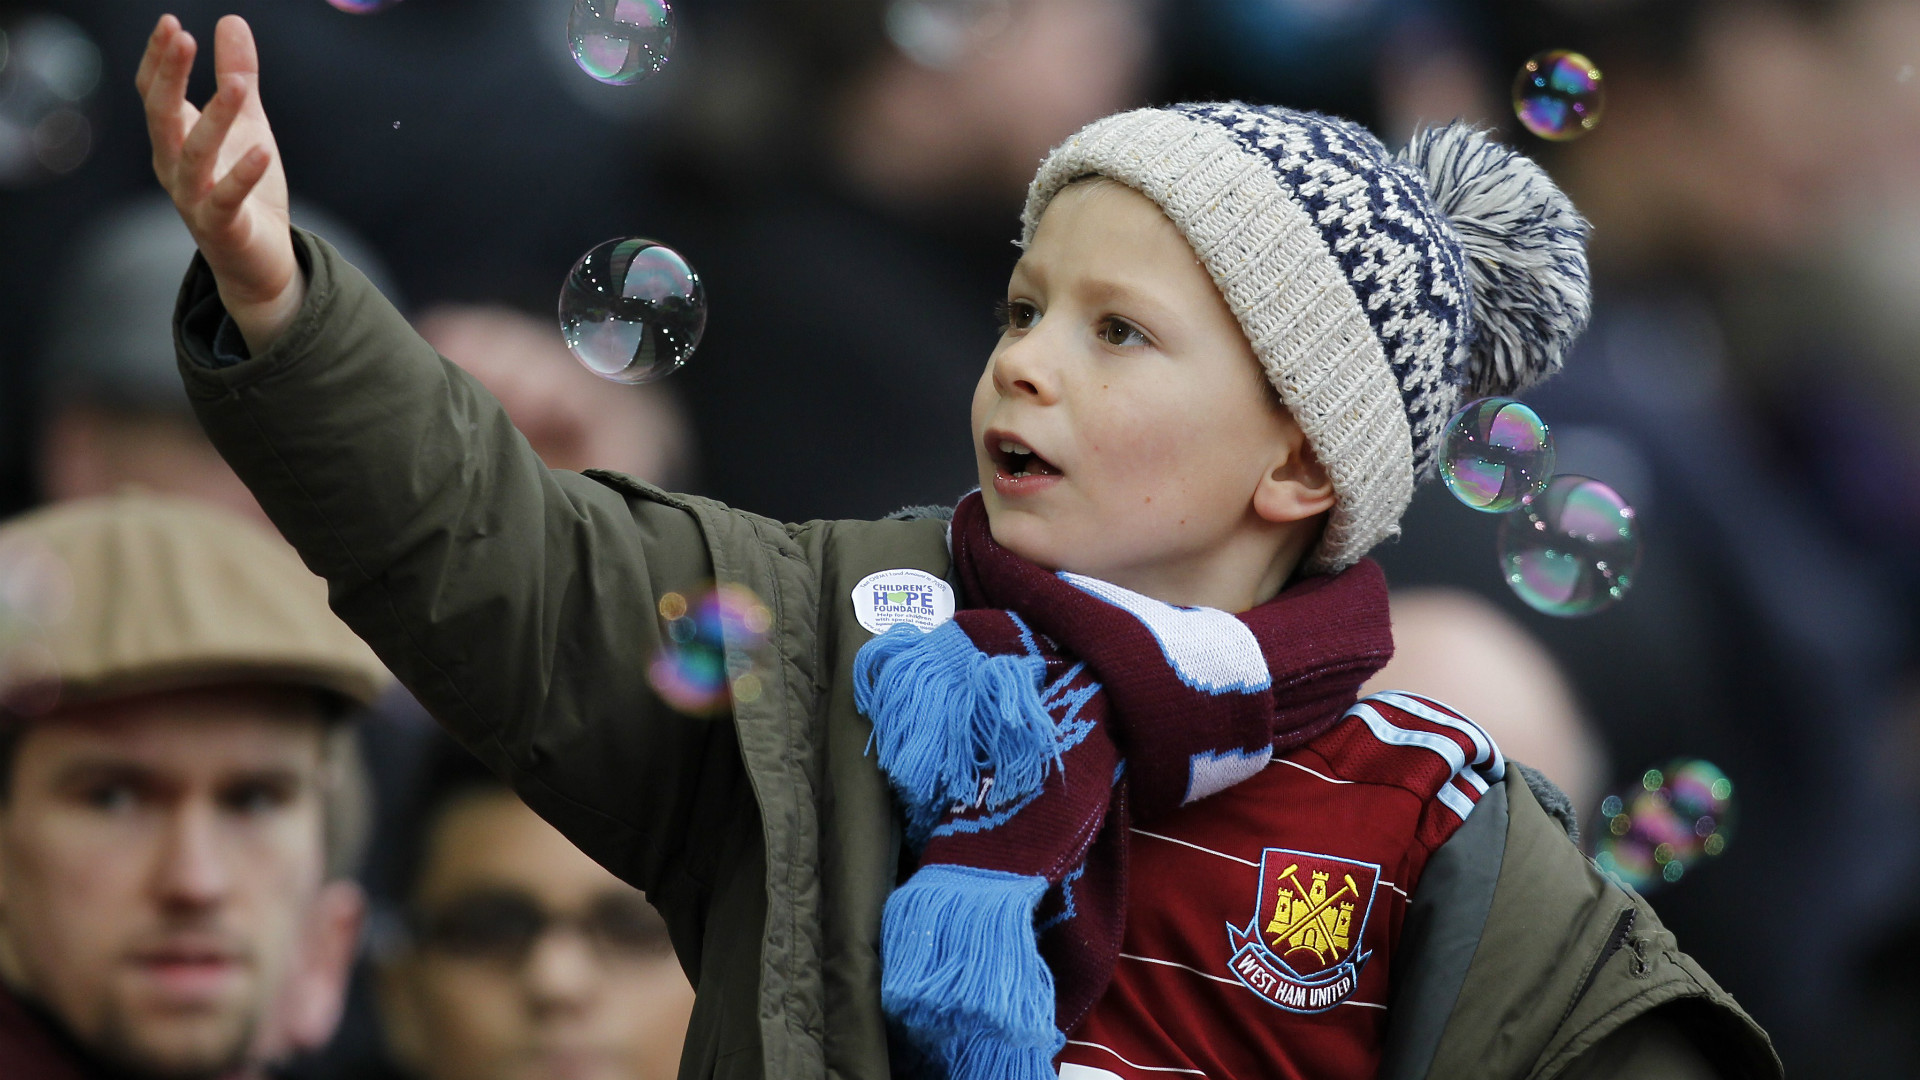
[176, 805]
[521, 958]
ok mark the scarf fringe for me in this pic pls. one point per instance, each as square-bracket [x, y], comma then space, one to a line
[982, 1057]
[946, 714]
[961, 966]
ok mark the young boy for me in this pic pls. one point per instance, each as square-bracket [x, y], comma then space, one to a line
[1120, 815]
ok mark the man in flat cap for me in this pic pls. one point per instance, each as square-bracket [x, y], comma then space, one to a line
[175, 812]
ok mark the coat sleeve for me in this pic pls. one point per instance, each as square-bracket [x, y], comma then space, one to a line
[517, 603]
[1651, 1046]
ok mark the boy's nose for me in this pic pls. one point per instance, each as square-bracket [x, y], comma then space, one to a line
[1020, 370]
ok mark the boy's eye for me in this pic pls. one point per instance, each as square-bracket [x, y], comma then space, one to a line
[1018, 315]
[1117, 331]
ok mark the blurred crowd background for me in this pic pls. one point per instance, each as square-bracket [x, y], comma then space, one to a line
[846, 177]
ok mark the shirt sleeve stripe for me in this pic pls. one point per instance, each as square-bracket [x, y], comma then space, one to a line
[1433, 712]
[1449, 750]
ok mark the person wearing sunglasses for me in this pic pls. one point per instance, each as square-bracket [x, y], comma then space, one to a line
[518, 957]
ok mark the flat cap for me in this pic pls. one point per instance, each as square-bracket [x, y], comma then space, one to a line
[137, 593]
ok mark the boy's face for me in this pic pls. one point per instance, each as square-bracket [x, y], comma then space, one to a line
[1159, 441]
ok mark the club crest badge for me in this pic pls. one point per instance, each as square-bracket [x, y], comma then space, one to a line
[1302, 952]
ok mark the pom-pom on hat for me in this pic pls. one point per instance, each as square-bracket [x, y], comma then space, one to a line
[1380, 292]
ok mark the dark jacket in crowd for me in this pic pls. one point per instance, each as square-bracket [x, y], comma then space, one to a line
[519, 604]
[33, 1048]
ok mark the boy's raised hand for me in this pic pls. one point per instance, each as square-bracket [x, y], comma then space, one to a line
[222, 169]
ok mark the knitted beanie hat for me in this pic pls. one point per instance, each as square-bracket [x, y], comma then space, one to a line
[1379, 292]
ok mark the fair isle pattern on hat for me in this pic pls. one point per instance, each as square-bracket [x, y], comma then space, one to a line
[1348, 270]
[1399, 255]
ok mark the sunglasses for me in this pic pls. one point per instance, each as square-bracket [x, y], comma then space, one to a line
[502, 926]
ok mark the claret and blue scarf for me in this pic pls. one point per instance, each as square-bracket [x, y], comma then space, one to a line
[1024, 736]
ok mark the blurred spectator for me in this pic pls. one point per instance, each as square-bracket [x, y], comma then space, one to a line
[524, 959]
[858, 166]
[117, 419]
[465, 143]
[1389, 64]
[178, 814]
[114, 415]
[1455, 647]
[574, 419]
[1760, 633]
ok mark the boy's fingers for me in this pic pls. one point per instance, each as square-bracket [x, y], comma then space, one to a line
[234, 52]
[233, 188]
[201, 150]
[143, 78]
[168, 113]
[157, 43]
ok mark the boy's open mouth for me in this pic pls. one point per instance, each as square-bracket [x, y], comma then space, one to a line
[1016, 460]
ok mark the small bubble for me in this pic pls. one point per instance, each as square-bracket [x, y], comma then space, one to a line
[1670, 818]
[362, 7]
[1558, 95]
[49, 72]
[1494, 453]
[1610, 805]
[1571, 550]
[620, 41]
[746, 688]
[707, 661]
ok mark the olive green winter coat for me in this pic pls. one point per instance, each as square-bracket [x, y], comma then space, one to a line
[519, 604]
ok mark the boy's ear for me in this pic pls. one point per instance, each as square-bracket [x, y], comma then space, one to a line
[1295, 486]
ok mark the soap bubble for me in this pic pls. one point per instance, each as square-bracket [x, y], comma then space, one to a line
[362, 7]
[1573, 549]
[1494, 453]
[706, 663]
[632, 310]
[49, 70]
[1665, 824]
[620, 41]
[1558, 95]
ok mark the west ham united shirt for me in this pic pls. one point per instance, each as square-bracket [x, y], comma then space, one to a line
[1262, 921]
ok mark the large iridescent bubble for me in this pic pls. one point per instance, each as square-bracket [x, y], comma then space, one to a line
[1558, 95]
[620, 41]
[706, 664]
[1654, 832]
[1573, 549]
[1494, 453]
[632, 310]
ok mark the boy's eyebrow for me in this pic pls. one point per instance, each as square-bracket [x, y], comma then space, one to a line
[1101, 290]
[1027, 268]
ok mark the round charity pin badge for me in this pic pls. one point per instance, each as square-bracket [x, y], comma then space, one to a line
[884, 600]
